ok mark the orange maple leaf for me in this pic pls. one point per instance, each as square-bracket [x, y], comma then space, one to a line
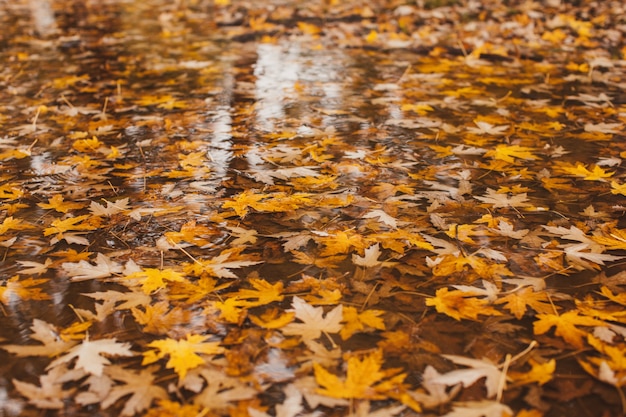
[9, 223]
[615, 240]
[517, 302]
[59, 226]
[565, 325]
[273, 319]
[15, 289]
[184, 353]
[356, 321]
[153, 279]
[58, 203]
[611, 367]
[193, 233]
[460, 304]
[596, 174]
[263, 293]
[364, 379]
[341, 242]
[617, 188]
[160, 317]
[508, 153]
[539, 373]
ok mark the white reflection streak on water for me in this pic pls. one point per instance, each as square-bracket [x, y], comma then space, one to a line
[276, 71]
[43, 17]
[221, 145]
[280, 67]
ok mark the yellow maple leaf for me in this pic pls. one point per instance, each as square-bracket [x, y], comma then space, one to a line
[420, 108]
[166, 101]
[342, 242]
[565, 326]
[232, 309]
[356, 321]
[242, 202]
[449, 264]
[508, 153]
[318, 182]
[11, 209]
[371, 37]
[59, 226]
[220, 265]
[539, 373]
[321, 262]
[617, 188]
[463, 232]
[281, 202]
[58, 203]
[615, 240]
[196, 290]
[153, 279]
[517, 302]
[597, 174]
[192, 160]
[364, 379]
[515, 189]
[160, 317]
[616, 298]
[442, 151]
[308, 28]
[263, 293]
[75, 331]
[10, 192]
[529, 413]
[541, 128]
[610, 367]
[273, 319]
[69, 81]
[587, 307]
[184, 353]
[22, 289]
[552, 184]
[168, 408]
[323, 296]
[14, 154]
[87, 145]
[460, 304]
[191, 232]
[9, 223]
[399, 239]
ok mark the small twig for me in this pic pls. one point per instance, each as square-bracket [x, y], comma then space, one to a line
[369, 295]
[502, 380]
[104, 108]
[80, 318]
[330, 339]
[530, 347]
[35, 118]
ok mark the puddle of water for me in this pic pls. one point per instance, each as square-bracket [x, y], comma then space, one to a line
[361, 143]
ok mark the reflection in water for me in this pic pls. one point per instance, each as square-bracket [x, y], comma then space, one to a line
[277, 70]
[43, 17]
[220, 153]
[293, 79]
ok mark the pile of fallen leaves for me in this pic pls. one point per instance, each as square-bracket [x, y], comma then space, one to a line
[230, 208]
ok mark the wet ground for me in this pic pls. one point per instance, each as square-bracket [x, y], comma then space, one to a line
[312, 208]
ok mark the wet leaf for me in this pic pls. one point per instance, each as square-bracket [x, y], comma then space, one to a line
[183, 354]
[89, 355]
